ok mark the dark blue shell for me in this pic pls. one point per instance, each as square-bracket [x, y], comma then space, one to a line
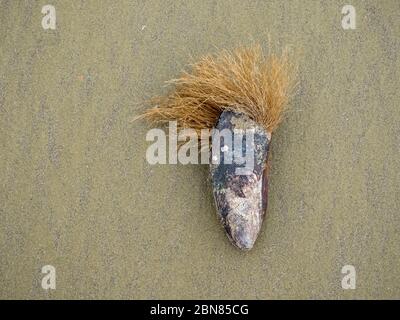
[240, 189]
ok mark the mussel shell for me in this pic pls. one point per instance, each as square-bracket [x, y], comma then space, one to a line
[241, 200]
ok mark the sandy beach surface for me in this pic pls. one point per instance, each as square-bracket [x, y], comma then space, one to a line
[77, 193]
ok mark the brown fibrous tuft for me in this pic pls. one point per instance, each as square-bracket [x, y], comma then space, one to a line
[243, 80]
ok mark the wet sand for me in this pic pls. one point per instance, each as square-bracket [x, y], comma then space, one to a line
[77, 193]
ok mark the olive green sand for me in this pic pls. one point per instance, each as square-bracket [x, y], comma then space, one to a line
[76, 191]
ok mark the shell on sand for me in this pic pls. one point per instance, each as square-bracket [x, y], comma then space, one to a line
[246, 88]
[240, 189]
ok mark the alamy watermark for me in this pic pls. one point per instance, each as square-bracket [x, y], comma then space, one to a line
[49, 280]
[227, 147]
[49, 20]
[349, 278]
[349, 18]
